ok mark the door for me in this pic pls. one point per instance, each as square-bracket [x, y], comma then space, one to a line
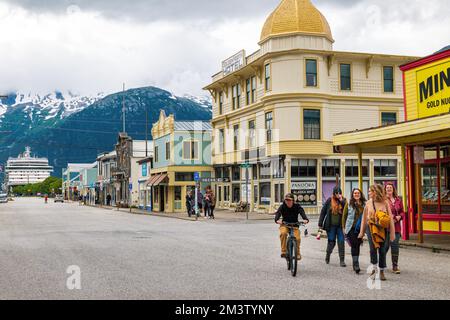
[162, 198]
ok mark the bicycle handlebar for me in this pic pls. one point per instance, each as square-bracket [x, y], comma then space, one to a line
[296, 224]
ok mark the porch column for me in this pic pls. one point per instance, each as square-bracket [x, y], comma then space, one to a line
[360, 173]
[405, 192]
[419, 201]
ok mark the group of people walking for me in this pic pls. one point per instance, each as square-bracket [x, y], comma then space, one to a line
[348, 221]
[379, 218]
[205, 202]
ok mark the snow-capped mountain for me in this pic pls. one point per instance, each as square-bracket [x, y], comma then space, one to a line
[46, 107]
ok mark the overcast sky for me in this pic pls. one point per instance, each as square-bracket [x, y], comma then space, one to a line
[91, 46]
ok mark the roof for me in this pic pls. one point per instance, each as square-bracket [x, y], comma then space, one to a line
[441, 54]
[296, 16]
[192, 126]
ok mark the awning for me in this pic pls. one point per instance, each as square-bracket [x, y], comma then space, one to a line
[161, 178]
[157, 179]
[386, 139]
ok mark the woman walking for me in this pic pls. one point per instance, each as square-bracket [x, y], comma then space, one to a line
[331, 221]
[398, 214]
[378, 224]
[351, 222]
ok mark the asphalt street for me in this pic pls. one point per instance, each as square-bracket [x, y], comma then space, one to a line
[128, 256]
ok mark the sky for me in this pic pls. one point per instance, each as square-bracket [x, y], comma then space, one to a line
[92, 46]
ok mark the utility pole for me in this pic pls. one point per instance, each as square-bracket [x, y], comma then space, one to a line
[123, 108]
[146, 132]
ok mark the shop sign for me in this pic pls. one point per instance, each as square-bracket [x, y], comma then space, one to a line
[305, 192]
[233, 63]
[433, 90]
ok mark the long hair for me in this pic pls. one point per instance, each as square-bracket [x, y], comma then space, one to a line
[336, 206]
[379, 193]
[362, 199]
[394, 194]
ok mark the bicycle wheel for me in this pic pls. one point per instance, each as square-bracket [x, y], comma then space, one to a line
[293, 255]
[288, 258]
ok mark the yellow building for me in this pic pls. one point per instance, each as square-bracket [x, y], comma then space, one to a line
[278, 109]
[425, 142]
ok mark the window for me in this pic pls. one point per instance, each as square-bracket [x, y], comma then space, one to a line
[388, 79]
[265, 193]
[236, 171]
[248, 91]
[267, 77]
[220, 102]
[219, 194]
[311, 124]
[236, 193]
[236, 137]
[226, 193]
[279, 193]
[221, 140]
[346, 80]
[331, 168]
[253, 89]
[278, 169]
[190, 150]
[167, 150]
[156, 154]
[184, 176]
[351, 168]
[255, 194]
[269, 126]
[385, 168]
[156, 195]
[311, 73]
[303, 168]
[264, 170]
[236, 96]
[388, 118]
[255, 171]
[251, 134]
[177, 193]
[226, 172]
[218, 173]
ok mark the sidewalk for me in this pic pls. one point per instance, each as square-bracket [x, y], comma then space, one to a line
[220, 215]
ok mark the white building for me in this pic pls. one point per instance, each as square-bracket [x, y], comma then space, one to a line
[26, 169]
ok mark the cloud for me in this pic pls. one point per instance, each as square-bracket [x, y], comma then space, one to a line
[92, 46]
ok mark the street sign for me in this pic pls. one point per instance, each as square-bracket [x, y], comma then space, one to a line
[245, 165]
[196, 176]
[211, 180]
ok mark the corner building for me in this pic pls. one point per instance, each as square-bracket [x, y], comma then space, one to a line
[278, 109]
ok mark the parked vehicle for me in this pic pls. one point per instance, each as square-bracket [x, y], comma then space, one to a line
[59, 198]
[3, 198]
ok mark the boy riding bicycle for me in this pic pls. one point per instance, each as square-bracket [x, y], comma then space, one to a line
[288, 213]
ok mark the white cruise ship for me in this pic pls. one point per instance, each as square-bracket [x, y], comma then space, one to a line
[26, 169]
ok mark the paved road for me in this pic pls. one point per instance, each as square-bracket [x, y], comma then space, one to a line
[123, 256]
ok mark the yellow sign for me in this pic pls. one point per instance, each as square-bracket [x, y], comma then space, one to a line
[433, 90]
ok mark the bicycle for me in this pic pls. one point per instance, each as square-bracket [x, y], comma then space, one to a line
[291, 255]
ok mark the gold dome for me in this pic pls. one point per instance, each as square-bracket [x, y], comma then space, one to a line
[296, 16]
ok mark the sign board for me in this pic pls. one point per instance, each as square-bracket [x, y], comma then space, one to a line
[196, 176]
[305, 192]
[433, 90]
[130, 186]
[234, 63]
[246, 165]
[144, 169]
[419, 155]
[216, 180]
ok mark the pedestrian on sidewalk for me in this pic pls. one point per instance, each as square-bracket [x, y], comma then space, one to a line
[331, 221]
[200, 201]
[351, 221]
[378, 225]
[398, 214]
[210, 200]
[108, 200]
[190, 203]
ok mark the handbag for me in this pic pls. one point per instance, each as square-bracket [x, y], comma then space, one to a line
[383, 219]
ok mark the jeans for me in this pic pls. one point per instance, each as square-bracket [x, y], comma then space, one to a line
[336, 232]
[395, 246]
[378, 256]
[211, 211]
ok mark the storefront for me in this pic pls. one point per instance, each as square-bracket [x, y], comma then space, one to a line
[424, 139]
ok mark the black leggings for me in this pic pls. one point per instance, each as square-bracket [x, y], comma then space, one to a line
[355, 242]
